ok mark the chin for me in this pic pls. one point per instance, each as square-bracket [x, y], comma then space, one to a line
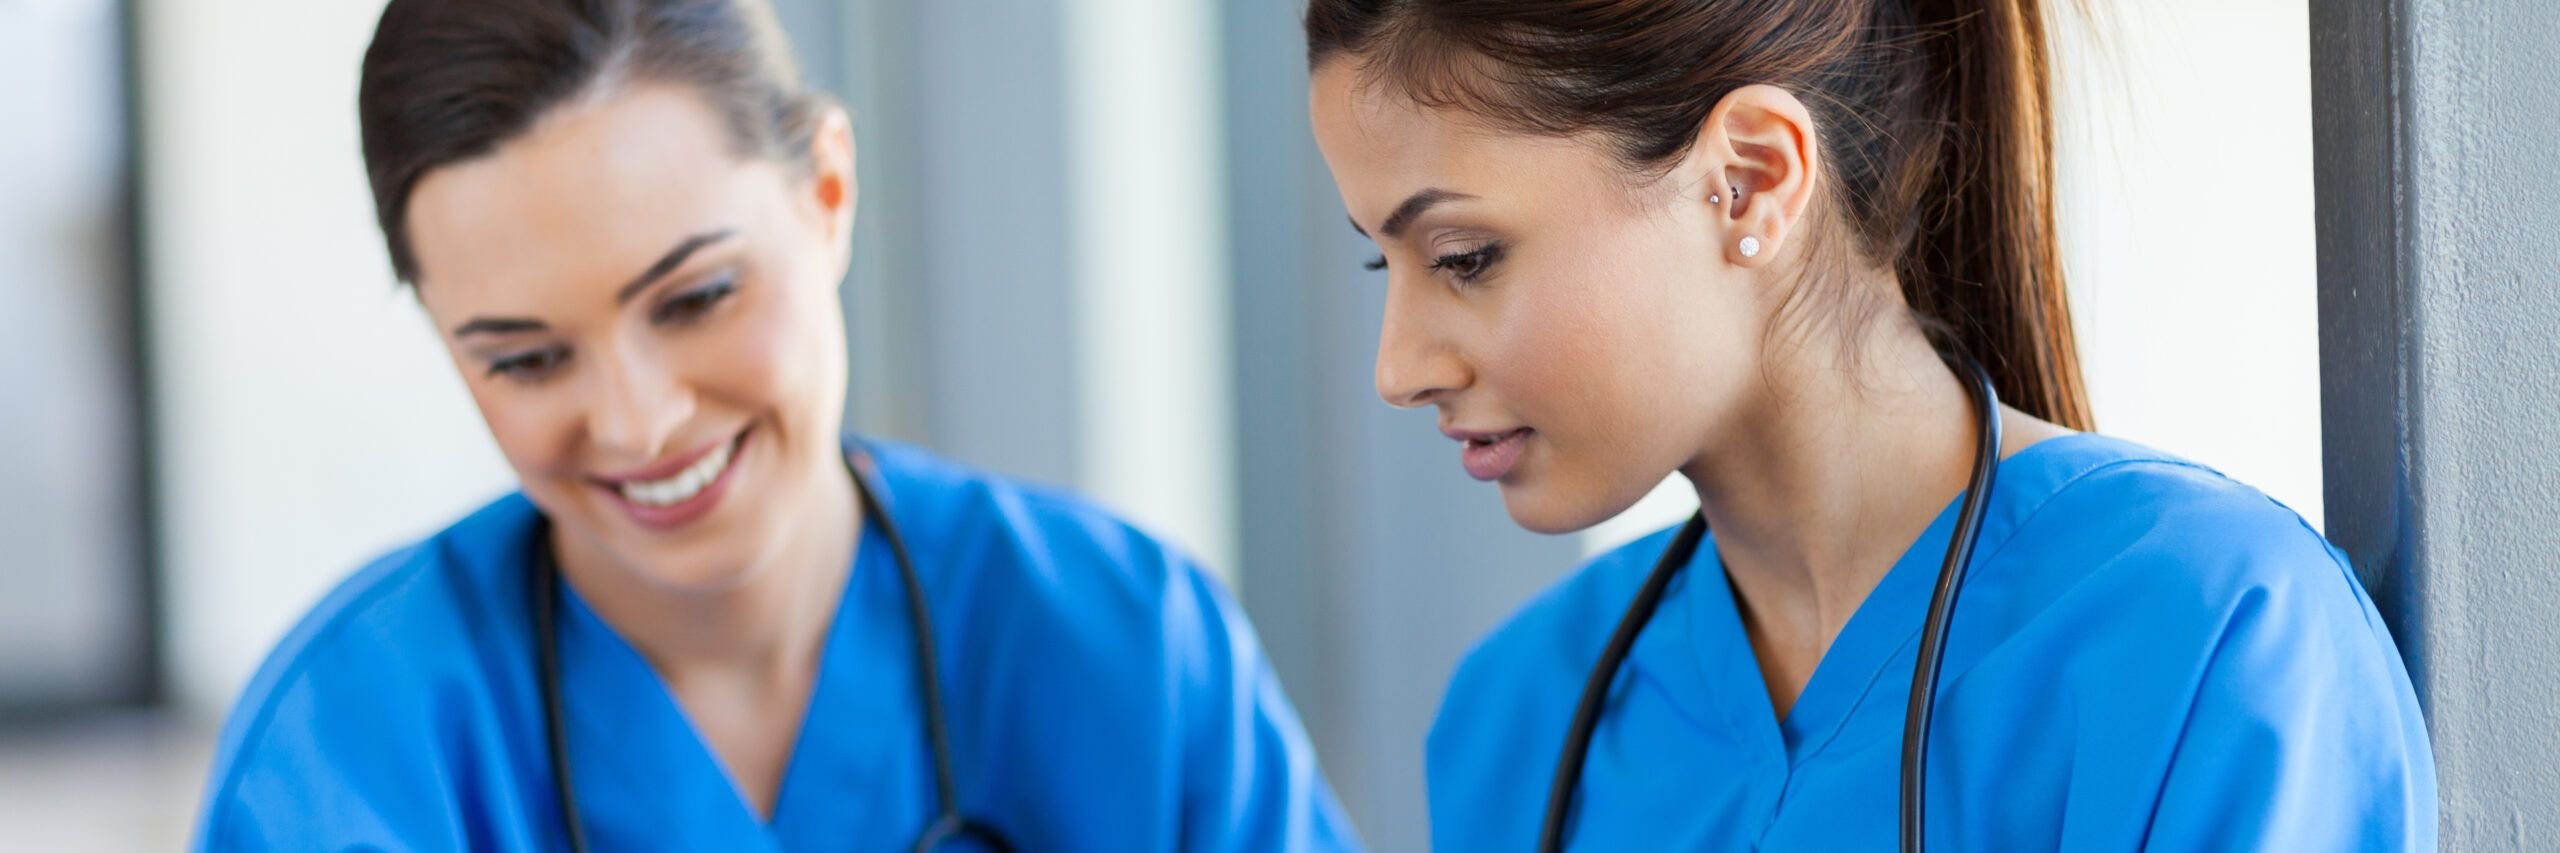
[694, 577]
[1554, 511]
[711, 556]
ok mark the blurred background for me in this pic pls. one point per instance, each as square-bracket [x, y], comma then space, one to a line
[1096, 247]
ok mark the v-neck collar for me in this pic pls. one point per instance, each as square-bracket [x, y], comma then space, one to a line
[1706, 661]
[1888, 620]
[642, 766]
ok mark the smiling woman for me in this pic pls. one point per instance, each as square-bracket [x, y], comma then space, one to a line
[710, 620]
[627, 297]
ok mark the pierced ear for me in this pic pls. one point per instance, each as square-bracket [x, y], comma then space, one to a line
[831, 158]
[1758, 157]
[831, 155]
[832, 191]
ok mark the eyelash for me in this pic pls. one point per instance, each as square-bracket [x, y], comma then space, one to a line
[532, 366]
[543, 363]
[694, 303]
[1481, 259]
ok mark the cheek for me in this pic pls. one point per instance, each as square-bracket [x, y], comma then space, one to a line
[764, 355]
[1551, 347]
[1585, 352]
[533, 430]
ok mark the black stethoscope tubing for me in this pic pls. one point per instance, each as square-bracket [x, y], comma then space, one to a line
[949, 824]
[1924, 676]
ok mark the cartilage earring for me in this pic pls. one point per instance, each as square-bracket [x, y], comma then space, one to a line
[1712, 198]
[1750, 246]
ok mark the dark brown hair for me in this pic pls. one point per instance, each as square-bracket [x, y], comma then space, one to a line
[1933, 116]
[450, 80]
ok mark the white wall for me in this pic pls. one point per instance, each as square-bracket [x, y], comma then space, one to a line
[308, 418]
[2184, 141]
[2187, 232]
[1149, 241]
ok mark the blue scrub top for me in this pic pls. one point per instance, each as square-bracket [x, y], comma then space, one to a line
[2146, 656]
[1103, 694]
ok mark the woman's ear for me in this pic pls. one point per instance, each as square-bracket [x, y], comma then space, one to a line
[1757, 156]
[832, 179]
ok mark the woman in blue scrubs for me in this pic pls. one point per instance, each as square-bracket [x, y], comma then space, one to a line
[1763, 245]
[709, 621]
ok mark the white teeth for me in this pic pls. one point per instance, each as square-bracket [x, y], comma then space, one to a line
[684, 485]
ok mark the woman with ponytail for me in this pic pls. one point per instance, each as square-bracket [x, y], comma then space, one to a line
[1784, 247]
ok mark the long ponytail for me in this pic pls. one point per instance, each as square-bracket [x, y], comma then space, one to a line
[1935, 119]
[1983, 265]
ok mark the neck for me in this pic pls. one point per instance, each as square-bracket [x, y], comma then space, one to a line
[1814, 500]
[768, 622]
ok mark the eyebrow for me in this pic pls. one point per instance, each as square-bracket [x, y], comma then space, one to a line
[669, 262]
[497, 326]
[1413, 206]
[666, 264]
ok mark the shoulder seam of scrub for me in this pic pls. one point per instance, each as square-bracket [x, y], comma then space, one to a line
[2010, 536]
[2369, 611]
[2078, 479]
[2223, 479]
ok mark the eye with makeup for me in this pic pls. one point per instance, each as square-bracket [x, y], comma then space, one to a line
[1467, 267]
[544, 362]
[692, 304]
[532, 365]
[1472, 265]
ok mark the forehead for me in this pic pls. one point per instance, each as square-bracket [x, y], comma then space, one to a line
[590, 196]
[1382, 145]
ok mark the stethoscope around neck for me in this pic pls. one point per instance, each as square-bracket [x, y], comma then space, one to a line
[1924, 676]
[949, 825]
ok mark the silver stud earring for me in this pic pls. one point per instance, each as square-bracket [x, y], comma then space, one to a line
[1750, 246]
[1712, 198]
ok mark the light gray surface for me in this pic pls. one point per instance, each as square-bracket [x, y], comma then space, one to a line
[2439, 191]
[68, 540]
[104, 783]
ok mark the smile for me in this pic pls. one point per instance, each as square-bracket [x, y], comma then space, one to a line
[670, 500]
[685, 484]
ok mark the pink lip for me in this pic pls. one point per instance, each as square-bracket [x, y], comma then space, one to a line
[1488, 456]
[676, 515]
[667, 467]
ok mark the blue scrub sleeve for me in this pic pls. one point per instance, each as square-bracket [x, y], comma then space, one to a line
[353, 778]
[1251, 781]
[2286, 749]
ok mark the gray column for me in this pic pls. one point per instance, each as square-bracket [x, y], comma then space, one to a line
[860, 51]
[76, 625]
[2437, 126]
[959, 305]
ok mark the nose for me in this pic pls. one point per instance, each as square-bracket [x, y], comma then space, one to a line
[638, 405]
[1416, 363]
